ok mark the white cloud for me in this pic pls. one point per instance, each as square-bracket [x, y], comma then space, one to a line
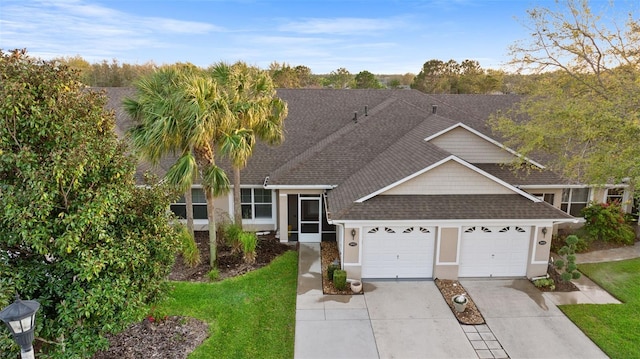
[340, 26]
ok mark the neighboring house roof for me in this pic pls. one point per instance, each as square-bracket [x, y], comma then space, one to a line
[326, 144]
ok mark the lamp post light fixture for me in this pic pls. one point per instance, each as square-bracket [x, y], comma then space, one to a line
[20, 317]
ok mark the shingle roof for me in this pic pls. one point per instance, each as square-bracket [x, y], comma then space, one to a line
[524, 176]
[443, 207]
[324, 146]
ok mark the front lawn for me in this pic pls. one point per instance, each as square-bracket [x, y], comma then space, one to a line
[251, 316]
[613, 327]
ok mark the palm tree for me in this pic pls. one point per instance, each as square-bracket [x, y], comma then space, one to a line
[181, 112]
[255, 112]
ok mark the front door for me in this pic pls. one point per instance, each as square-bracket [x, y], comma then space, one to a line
[310, 220]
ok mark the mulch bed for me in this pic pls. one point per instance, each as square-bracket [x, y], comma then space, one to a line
[329, 253]
[175, 337]
[450, 288]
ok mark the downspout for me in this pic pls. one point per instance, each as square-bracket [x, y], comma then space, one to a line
[338, 225]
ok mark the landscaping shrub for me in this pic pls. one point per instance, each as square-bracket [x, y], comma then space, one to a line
[340, 279]
[331, 268]
[249, 242]
[545, 283]
[558, 241]
[76, 232]
[606, 222]
[189, 248]
[232, 236]
[569, 266]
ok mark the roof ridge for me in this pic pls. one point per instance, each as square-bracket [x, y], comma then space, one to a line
[322, 144]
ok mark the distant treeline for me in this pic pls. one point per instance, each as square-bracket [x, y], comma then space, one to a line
[436, 76]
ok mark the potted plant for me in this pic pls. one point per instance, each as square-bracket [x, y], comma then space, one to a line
[460, 302]
[356, 286]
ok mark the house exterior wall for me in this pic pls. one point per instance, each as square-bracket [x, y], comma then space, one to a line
[557, 194]
[282, 219]
[471, 148]
[447, 249]
[351, 252]
[539, 248]
[447, 244]
[450, 177]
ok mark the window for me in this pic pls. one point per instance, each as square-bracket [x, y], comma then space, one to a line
[547, 197]
[574, 200]
[256, 203]
[199, 205]
[615, 195]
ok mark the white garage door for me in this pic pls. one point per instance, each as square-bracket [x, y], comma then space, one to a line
[398, 252]
[494, 251]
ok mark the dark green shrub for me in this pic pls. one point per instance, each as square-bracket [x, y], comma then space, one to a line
[331, 269]
[340, 279]
[76, 233]
[606, 222]
[569, 266]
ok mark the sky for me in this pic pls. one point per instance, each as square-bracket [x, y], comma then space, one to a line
[379, 36]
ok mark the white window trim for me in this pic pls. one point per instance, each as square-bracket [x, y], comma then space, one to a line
[271, 220]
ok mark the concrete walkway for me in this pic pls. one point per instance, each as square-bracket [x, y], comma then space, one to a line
[610, 255]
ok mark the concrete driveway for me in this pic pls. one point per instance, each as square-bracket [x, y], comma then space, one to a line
[526, 323]
[410, 319]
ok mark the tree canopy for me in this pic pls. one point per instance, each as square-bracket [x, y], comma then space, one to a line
[452, 77]
[583, 113]
[76, 233]
[366, 80]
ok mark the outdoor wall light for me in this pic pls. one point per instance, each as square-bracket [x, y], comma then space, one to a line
[20, 317]
[353, 238]
[544, 232]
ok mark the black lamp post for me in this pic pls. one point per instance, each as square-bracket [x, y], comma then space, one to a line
[20, 317]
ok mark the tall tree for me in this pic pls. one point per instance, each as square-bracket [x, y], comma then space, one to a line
[366, 80]
[467, 77]
[255, 113]
[583, 111]
[339, 79]
[182, 111]
[76, 233]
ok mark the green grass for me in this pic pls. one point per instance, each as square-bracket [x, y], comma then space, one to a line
[251, 316]
[615, 328]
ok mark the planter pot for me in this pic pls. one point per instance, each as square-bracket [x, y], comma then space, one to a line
[356, 286]
[458, 305]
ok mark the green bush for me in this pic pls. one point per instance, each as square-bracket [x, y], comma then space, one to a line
[607, 222]
[569, 266]
[340, 279]
[232, 237]
[545, 282]
[189, 248]
[249, 242]
[331, 268]
[76, 233]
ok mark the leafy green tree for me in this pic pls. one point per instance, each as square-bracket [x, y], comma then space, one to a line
[255, 113]
[339, 79]
[583, 111]
[181, 110]
[467, 77]
[367, 80]
[76, 233]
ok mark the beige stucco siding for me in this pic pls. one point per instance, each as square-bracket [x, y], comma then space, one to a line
[446, 266]
[351, 253]
[471, 147]
[449, 178]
